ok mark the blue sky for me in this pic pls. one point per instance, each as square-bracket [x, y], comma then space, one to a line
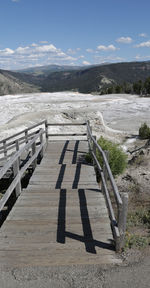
[73, 32]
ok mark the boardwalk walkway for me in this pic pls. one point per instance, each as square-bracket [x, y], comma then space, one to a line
[61, 218]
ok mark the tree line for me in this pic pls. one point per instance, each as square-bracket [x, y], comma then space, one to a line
[140, 88]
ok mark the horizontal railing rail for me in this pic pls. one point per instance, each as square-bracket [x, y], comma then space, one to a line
[119, 224]
[66, 134]
[18, 170]
[68, 124]
[11, 144]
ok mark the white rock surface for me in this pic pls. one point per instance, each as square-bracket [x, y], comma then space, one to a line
[112, 115]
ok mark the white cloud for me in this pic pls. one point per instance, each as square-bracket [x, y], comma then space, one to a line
[86, 63]
[139, 57]
[6, 51]
[107, 48]
[34, 45]
[89, 50]
[143, 44]
[110, 58]
[73, 51]
[46, 48]
[143, 35]
[15, 0]
[124, 40]
[23, 50]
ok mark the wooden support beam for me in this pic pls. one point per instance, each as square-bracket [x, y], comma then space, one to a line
[26, 135]
[33, 152]
[122, 219]
[17, 149]
[5, 148]
[16, 172]
[41, 141]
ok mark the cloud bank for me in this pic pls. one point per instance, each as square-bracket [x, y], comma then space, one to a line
[34, 55]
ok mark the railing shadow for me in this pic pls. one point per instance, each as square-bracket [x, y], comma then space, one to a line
[87, 237]
[75, 152]
[62, 156]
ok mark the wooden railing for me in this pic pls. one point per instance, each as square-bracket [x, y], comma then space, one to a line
[118, 223]
[13, 143]
[18, 170]
[28, 141]
[66, 134]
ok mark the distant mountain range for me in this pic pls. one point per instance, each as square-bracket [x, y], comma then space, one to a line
[46, 70]
[91, 79]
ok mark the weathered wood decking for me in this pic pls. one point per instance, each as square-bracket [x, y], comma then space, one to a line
[61, 218]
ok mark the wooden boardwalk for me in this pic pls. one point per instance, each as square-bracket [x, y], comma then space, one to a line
[61, 218]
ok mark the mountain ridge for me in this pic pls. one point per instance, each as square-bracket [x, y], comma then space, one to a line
[89, 79]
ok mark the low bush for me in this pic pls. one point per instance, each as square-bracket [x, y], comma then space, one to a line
[144, 131]
[117, 157]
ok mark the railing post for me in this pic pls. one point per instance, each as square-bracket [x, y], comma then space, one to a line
[5, 148]
[122, 219]
[46, 130]
[17, 149]
[104, 166]
[87, 124]
[105, 170]
[15, 172]
[94, 150]
[90, 140]
[41, 142]
[26, 135]
[33, 152]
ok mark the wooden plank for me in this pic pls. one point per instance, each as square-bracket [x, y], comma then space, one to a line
[45, 258]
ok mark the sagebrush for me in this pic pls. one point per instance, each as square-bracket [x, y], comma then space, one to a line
[117, 157]
[144, 131]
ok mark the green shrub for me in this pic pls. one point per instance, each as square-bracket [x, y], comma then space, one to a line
[144, 131]
[88, 158]
[117, 158]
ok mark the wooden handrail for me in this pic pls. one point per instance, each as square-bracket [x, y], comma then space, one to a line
[9, 142]
[114, 186]
[6, 146]
[67, 124]
[66, 134]
[119, 225]
[21, 141]
[17, 171]
[23, 131]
